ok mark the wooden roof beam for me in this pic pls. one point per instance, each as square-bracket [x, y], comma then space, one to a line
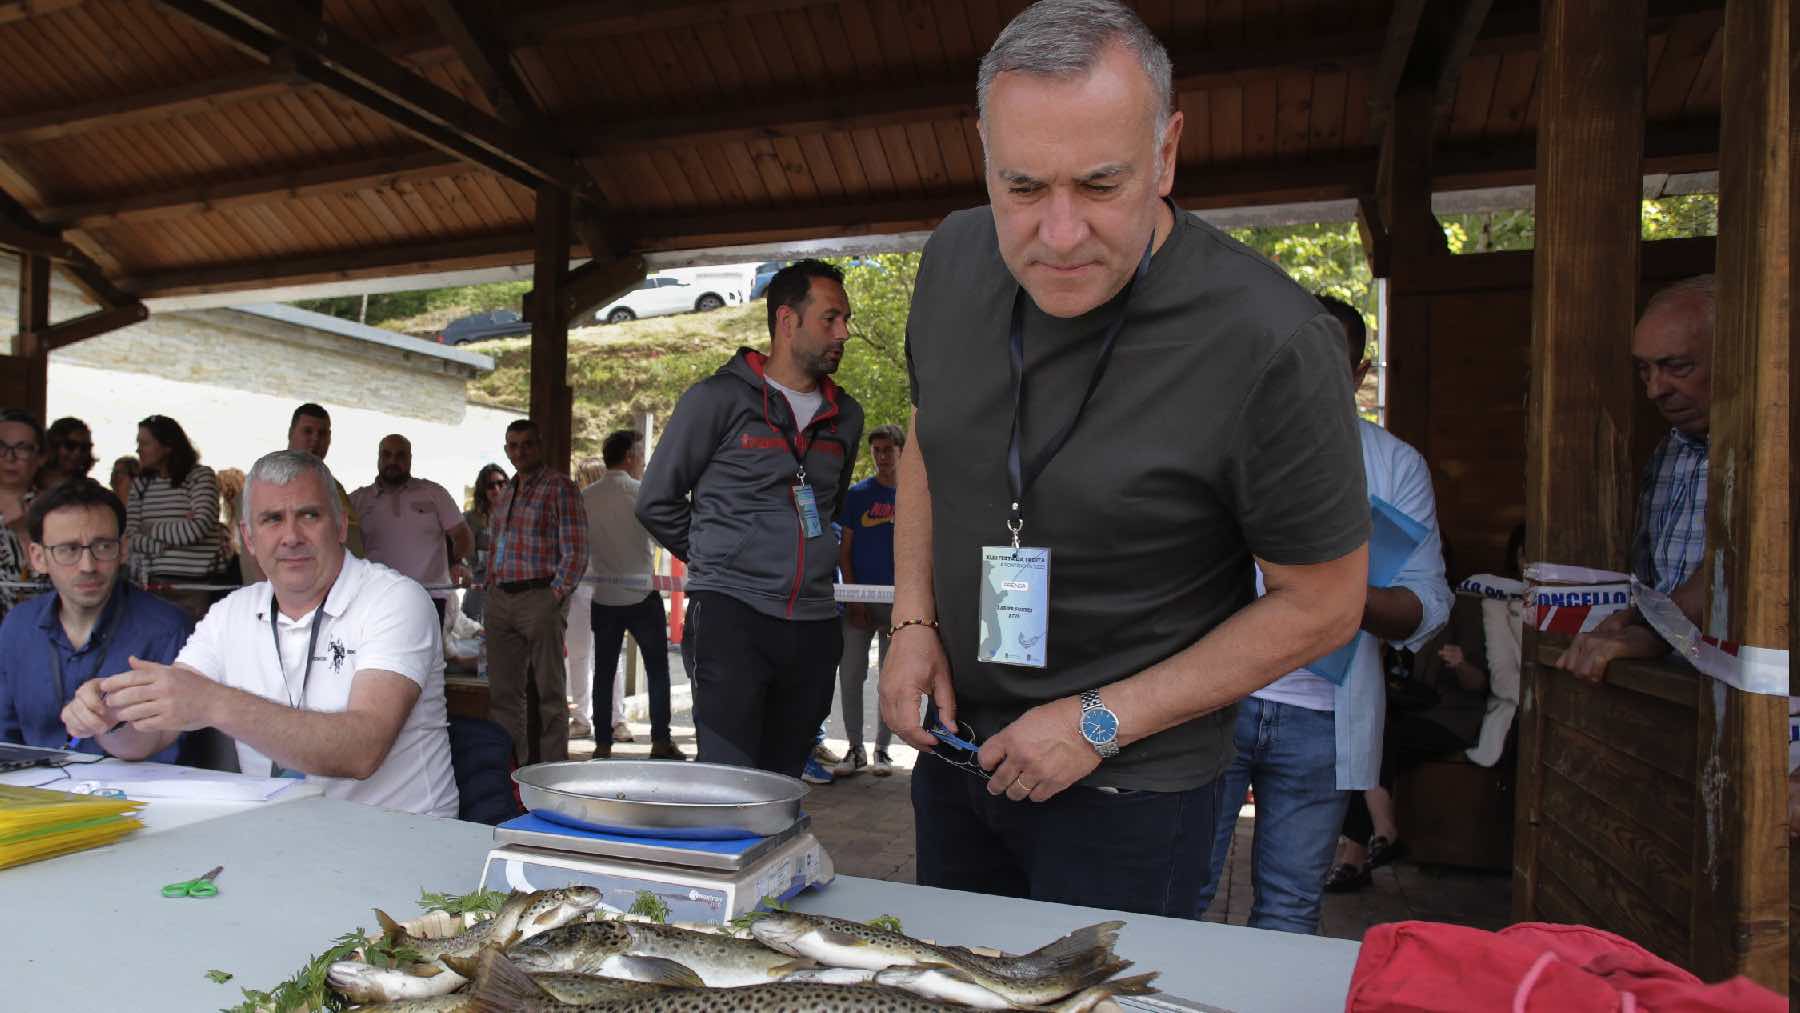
[952, 97]
[364, 75]
[474, 39]
[1463, 31]
[19, 10]
[496, 250]
[91, 325]
[1396, 52]
[86, 275]
[371, 174]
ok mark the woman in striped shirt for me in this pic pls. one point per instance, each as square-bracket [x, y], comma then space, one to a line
[172, 518]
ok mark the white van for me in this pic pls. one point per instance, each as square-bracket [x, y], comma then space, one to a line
[679, 290]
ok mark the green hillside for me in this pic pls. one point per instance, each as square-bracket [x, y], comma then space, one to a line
[620, 371]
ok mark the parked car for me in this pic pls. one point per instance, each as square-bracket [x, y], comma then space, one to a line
[483, 326]
[765, 273]
[665, 293]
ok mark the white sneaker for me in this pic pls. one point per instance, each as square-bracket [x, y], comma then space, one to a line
[854, 762]
[883, 765]
[824, 755]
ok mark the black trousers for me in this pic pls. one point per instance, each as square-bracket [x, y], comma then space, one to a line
[762, 685]
[648, 624]
[1143, 851]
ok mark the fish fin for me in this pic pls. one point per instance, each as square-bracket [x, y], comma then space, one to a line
[468, 967]
[502, 987]
[663, 971]
[1102, 936]
[1089, 999]
[390, 929]
[797, 964]
[838, 937]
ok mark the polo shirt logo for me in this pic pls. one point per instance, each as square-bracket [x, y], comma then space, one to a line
[338, 653]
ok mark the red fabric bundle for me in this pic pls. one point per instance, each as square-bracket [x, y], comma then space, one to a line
[1532, 967]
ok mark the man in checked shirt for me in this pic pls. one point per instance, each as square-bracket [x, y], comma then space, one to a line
[540, 551]
[1672, 350]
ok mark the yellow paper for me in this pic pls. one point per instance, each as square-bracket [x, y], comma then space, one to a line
[36, 823]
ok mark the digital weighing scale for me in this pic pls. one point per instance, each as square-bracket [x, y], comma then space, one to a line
[699, 880]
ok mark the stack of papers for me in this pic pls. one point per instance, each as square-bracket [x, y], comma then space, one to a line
[191, 784]
[35, 823]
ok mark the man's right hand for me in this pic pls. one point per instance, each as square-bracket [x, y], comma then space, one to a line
[87, 716]
[1589, 653]
[916, 666]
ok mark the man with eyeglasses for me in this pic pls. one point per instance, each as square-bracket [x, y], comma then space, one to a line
[52, 644]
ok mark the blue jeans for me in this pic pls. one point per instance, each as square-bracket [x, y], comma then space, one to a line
[1290, 755]
[1138, 851]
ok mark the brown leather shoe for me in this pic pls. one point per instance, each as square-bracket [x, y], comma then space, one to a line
[666, 750]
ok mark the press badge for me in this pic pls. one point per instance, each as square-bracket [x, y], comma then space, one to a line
[809, 509]
[1015, 605]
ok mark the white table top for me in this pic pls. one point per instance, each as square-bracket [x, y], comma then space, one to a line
[158, 814]
[298, 875]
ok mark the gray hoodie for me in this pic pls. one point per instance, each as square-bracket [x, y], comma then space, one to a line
[718, 493]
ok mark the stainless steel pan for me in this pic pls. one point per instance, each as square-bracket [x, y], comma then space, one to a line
[660, 798]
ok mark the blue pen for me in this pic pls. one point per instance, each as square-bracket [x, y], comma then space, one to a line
[75, 743]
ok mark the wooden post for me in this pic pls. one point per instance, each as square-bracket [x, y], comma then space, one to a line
[1579, 490]
[1740, 918]
[1414, 241]
[551, 403]
[34, 318]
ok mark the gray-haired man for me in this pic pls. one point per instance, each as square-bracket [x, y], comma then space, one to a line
[332, 669]
[1121, 412]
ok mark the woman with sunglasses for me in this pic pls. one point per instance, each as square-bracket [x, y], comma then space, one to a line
[68, 453]
[488, 483]
[21, 443]
[172, 518]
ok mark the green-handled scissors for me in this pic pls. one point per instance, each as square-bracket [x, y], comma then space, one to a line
[201, 886]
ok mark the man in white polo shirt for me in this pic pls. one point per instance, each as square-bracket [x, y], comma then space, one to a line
[332, 669]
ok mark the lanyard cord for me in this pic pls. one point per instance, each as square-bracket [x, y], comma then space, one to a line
[1019, 474]
[312, 644]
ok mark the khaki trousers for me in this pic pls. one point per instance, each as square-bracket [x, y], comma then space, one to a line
[525, 654]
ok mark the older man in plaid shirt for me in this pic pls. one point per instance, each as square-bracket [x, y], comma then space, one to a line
[540, 551]
[1672, 349]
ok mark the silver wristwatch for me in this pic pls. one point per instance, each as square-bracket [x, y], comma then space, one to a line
[1099, 725]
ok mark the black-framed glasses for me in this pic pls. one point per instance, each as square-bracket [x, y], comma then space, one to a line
[105, 550]
[23, 449]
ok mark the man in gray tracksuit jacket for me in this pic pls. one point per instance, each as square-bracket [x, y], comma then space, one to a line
[744, 483]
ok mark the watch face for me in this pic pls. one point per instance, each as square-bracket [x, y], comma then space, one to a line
[1099, 725]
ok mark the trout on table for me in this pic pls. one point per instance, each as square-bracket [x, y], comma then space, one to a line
[1081, 959]
[720, 961]
[521, 917]
[503, 987]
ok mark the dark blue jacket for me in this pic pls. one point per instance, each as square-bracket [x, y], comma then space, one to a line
[134, 623]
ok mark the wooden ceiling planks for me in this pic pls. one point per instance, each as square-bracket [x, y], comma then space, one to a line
[642, 65]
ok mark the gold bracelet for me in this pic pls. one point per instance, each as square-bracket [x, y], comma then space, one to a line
[904, 623]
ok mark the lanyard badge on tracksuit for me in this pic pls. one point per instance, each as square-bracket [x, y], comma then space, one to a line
[805, 503]
[1014, 609]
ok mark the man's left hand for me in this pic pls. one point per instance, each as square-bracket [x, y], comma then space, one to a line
[160, 698]
[460, 575]
[1040, 754]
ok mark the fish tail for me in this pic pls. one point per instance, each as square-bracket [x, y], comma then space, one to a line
[468, 967]
[390, 929]
[501, 986]
[1101, 936]
[1089, 998]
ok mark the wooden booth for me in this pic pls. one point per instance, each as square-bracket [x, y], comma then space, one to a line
[156, 150]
